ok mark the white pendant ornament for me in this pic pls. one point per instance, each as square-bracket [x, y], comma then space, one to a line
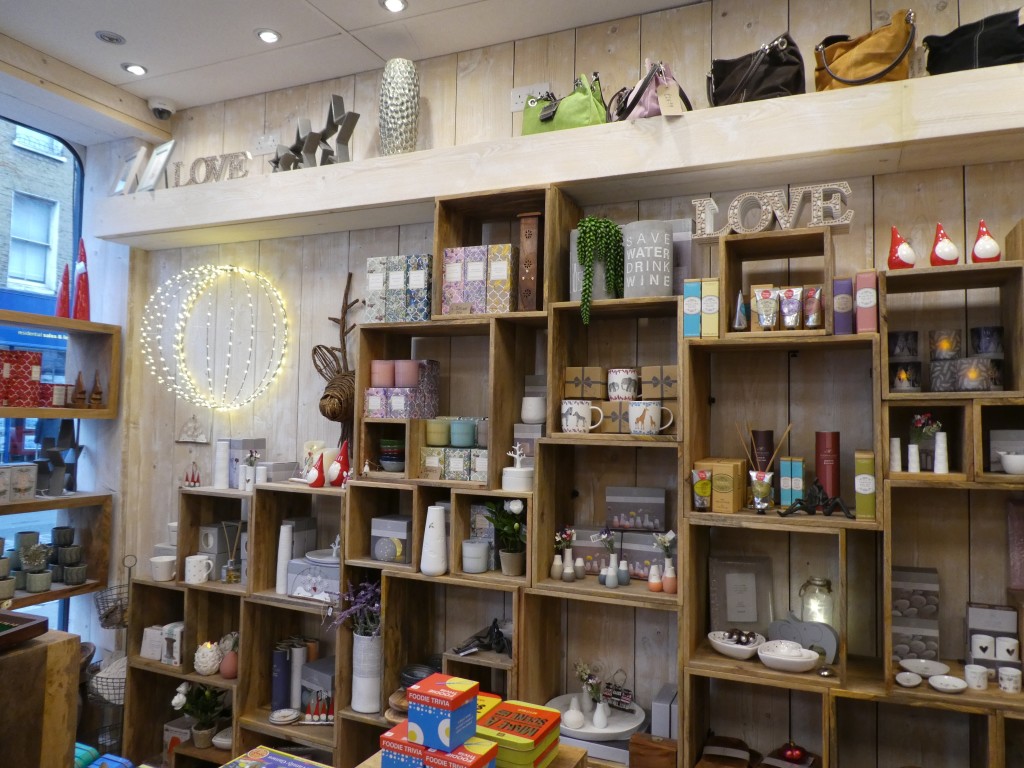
[399, 111]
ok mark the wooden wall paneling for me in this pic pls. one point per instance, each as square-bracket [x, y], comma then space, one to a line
[1013, 728]
[972, 10]
[922, 736]
[284, 110]
[808, 719]
[545, 58]
[620, 213]
[199, 132]
[484, 81]
[856, 733]
[988, 555]
[656, 645]
[601, 636]
[467, 611]
[742, 26]
[863, 585]
[854, 249]
[243, 126]
[437, 102]
[680, 37]
[748, 390]
[469, 396]
[364, 243]
[680, 208]
[758, 714]
[931, 529]
[611, 48]
[936, 18]
[811, 21]
[366, 139]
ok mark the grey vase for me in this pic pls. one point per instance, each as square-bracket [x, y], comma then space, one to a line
[399, 113]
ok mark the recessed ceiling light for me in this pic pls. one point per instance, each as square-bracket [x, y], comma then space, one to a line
[135, 69]
[395, 6]
[110, 37]
[268, 35]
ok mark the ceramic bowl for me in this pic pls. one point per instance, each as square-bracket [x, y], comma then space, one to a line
[924, 668]
[1013, 463]
[733, 650]
[785, 658]
[947, 683]
[392, 466]
[908, 679]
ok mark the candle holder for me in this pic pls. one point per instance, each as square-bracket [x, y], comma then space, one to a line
[945, 344]
[905, 377]
[903, 346]
[987, 341]
[974, 374]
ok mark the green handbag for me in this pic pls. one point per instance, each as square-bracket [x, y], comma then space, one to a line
[584, 106]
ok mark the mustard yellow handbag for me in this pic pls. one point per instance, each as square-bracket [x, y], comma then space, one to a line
[877, 57]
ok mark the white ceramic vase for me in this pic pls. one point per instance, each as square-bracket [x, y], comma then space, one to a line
[434, 557]
[366, 669]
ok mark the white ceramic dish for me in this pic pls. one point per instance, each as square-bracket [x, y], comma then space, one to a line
[621, 725]
[924, 667]
[733, 650]
[947, 683]
[1013, 463]
[909, 679]
[785, 658]
[322, 557]
[222, 739]
[284, 716]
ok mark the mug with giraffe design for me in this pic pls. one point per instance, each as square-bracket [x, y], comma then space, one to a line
[645, 417]
[577, 416]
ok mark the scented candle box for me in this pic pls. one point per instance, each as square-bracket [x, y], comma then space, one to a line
[376, 403]
[376, 290]
[442, 711]
[474, 292]
[659, 382]
[585, 383]
[502, 271]
[418, 287]
[395, 297]
[453, 283]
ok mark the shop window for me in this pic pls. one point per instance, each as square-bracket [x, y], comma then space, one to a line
[33, 263]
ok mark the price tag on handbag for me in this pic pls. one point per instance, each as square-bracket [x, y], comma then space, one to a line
[669, 101]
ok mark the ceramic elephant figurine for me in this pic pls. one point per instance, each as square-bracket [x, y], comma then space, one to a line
[808, 634]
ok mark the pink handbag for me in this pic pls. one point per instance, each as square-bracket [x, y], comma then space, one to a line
[642, 99]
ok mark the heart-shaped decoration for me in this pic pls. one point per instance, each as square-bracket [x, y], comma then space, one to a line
[983, 648]
[1009, 652]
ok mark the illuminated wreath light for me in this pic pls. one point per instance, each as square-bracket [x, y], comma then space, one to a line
[200, 323]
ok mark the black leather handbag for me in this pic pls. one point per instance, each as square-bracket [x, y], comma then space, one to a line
[989, 42]
[774, 69]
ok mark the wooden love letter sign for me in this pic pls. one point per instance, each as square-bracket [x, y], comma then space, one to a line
[827, 209]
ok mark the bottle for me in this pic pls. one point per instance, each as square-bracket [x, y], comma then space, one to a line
[611, 579]
[623, 573]
[669, 582]
[654, 579]
[556, 566]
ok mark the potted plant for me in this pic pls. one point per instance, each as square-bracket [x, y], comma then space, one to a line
[599, 241]
[510, 527]
[205, 705]
[590, 681]
[362, 615]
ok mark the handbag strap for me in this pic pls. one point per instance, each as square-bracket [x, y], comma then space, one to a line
[871, 78]
[625, 110]
[780, 43]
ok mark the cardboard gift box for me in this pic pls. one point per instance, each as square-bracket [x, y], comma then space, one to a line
[418, 286]
[478, 465]
[474, 289]
[375, 403]
[916, 589]
[432, 463]
[728, 483]
[22, 482]
[442, 710]
[592, 551]
[585, 383]
[264, 757]
[616, 417]
[376, 289]
[691, 308]
[474, 752]
[709, 308]
[453, 283]
[629, 508]
[411, 403]
[22, 371]
[502, 272]
[5, 484]
[457, 463]
[397, 751]
[395, 294]
[659, 382]
[391, 538]
[727, 752]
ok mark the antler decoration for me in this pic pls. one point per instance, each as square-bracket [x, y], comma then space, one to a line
[337, 401]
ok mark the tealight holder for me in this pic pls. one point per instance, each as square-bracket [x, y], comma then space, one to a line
[974, 374]
[987, 341]
[903, 346]
[945, 344]
[905, 377]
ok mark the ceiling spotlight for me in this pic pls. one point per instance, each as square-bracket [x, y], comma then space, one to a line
[268, 36]
[135, 69]
[110, 37]
[395, 6]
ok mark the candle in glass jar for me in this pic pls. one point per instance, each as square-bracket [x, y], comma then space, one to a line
[382, 373]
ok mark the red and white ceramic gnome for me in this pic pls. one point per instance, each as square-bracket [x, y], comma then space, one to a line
[986, 249]
[944, 250]
[901, 255]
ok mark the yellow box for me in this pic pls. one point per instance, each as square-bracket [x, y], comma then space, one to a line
[728, 483]
[585, 383]
[709, 308]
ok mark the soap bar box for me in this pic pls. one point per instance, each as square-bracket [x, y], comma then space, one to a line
[391, 538]
[442, 711]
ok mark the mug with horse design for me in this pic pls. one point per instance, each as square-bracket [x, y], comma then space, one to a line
[577, 416]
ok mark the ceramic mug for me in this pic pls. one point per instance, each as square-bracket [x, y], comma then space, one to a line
[983, 646]
[1007, 648]
[623, 383]
[197, 568]
[976, 676]
[162, 567]
[576, 416]
[645, 417]
[1009, 679]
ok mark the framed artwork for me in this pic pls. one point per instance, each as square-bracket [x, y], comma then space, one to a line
[126, 178]
[157, 163]
[740, 593]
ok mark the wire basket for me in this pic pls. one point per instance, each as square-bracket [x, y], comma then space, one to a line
[107, 685]
[106, 739]
[112, 603]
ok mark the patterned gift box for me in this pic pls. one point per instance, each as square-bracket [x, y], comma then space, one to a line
[943, 375]
[478, 465]
[376, 289]
[23, 482]
[23, 378]
[411, 403]
[527, 435]
[46, 395]
[593, 551]
[375, 403]
[417, 306]
[659, 382]
[394, 303]
[432, 463]
[457, 463]
[429, 376]
[474, 291]
[502, 273]
[5, 372]
[616, 416]
[586, 383]
[453, 284]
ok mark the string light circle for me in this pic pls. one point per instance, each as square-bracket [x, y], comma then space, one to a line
[215, 336]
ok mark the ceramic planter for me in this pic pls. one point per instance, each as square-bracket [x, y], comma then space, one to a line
[513, 563]
[366, 670]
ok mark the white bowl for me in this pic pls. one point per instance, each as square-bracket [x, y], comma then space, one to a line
[908, 679]
[924, 667]
[786, 661]
[1013, 463]
[947, 683]
[726, 647]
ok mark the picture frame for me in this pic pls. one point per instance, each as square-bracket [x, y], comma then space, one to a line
[128, 175]
[740, 593]
[155, 167]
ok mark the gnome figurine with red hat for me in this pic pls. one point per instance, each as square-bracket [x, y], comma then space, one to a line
[944, 250]
[986, 249]
[901, 255]
[81, 311]
[64, 295]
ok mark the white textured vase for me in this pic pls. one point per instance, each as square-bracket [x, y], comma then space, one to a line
[366, 672]
[434, 559]
[941, 454]
[399, 113]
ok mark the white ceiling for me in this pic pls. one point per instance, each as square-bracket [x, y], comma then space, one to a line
[202, 51]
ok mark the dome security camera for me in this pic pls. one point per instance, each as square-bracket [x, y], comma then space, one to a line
[162, 109]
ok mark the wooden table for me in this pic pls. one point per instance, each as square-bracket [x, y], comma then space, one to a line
[568, 757]
[39, 699]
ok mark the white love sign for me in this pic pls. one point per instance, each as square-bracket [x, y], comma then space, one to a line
[829, 207]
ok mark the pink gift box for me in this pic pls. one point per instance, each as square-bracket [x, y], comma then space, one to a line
[376, 403]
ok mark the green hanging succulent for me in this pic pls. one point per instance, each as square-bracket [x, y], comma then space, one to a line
[600, 240]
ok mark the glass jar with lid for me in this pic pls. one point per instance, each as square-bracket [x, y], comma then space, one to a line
[816, 600]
